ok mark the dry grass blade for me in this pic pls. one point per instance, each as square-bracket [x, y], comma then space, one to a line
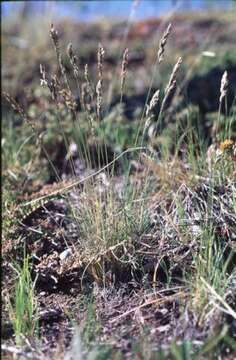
[18, 352]
[77, 182]
[212, 291]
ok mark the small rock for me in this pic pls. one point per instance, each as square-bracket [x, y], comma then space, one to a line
[65, 254]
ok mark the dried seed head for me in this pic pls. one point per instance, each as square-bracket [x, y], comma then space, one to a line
[99, 98]
[173, 75]
[17, 108]
[83, 94]
[54, 35]
[85, 97]
[43, 80]
[15, 105]
[70, 51]
[68, 99]
[100, 55]
[73, 60]
[86, 72]
[124, 68]
[153, 102]
[171, 84]
[124, 62]
[55, 40]
[89, 89]
[162, 44]
[224, 86]
[54, 87]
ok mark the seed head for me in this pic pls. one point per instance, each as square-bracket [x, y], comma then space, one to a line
[54, 35]
[100, 55]
[73, 60]
[43, 80]
[224, 86]
[124, 69]
[173, 76]
[153, 102]
[99, 98]
[162, 44]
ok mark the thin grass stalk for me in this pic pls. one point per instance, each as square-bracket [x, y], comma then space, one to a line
[205, 44]
[171, 84]
[99, 91]
[99, 99]
[158, 60]
[88, 82]
[99, 87]
[55, 40]
[87, 99]
[123, 43]
[67, 94]
[223, 96]
[87, 178]
[123, 75]
[100, 60]
[74, 63]
[168, 90]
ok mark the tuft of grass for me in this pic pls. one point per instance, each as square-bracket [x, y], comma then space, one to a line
[23, 305]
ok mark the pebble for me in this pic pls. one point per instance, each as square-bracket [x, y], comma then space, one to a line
[65, 254]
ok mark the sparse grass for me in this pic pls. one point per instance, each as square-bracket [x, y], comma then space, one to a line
[23, 304]
[159, 219]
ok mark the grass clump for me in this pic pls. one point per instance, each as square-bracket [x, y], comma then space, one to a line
[145, 213]
[23, 306]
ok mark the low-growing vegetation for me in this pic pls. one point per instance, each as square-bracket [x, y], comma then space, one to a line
[119, 209]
